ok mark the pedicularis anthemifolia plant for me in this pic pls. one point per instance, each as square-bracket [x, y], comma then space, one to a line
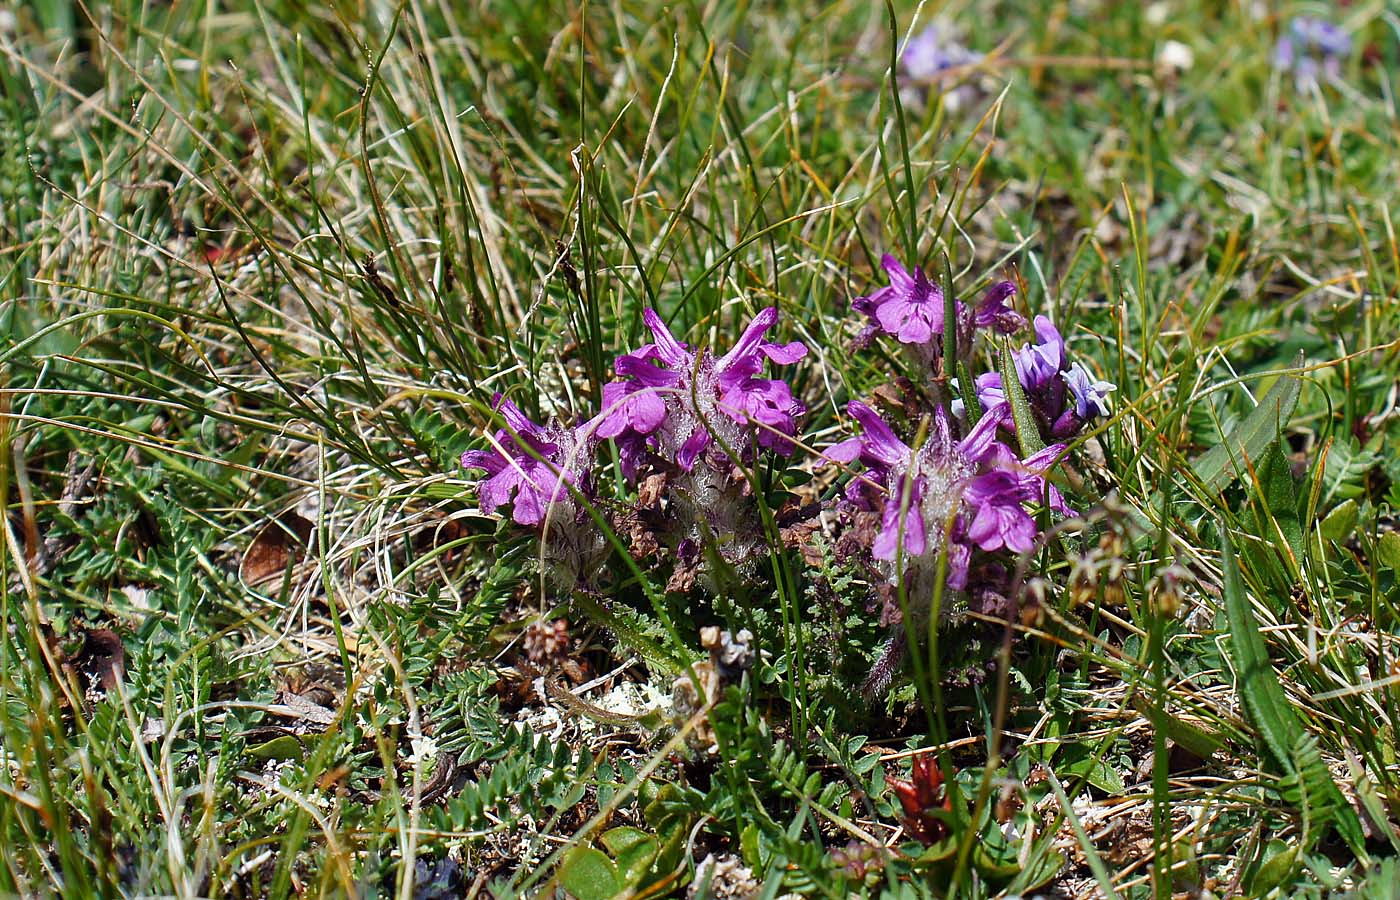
[950, 502]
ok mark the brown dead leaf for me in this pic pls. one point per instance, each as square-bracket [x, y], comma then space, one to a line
[298, 707]
[899, 396]
[801, 536]
[683, 576]
[280, 543]
[642, 540]
[651, 491]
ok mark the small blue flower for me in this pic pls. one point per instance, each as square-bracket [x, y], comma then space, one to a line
[1311, 46]
[934, 50]
[1090, 395]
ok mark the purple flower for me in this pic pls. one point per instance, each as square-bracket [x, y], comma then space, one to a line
[924, 490]
[1000, 520]
[910, 308]
[993, 312]
[1310, 46]
[901, 509]
[935, 50]
[947, 495]
[530, 465]
[1062, 396]
[1038, 364]
[998, 496]
[990, 392]
[1090, 395]
[675, 401]
[635, 404]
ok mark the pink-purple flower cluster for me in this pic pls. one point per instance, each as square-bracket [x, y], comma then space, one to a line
[673, 409]
[677, 404]
[536, 470]
[948, 494]
[529, 466]
[955, 501]
[962, 495]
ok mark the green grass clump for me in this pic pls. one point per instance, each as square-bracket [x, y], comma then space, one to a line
[264, 265]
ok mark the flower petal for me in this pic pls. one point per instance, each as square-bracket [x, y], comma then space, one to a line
[880, 440]
[668, 349]
[848, 451]
[900, 278]
[783, 354]
[494, 492]
[979, 440]
[516, 420]
[489, 460]
[692, 448]
[747, 345]
[634, 367]
[886, 544]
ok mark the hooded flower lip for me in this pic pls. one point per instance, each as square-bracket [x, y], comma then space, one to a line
[994, 313]
[669, 395]
[1090, 394]
[530, 481]
[878, 447]
[1037, 364]
[910, 307]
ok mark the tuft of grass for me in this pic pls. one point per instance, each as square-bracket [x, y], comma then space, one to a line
[264, 265]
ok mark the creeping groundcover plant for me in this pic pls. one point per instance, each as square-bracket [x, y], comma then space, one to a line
[941, 500]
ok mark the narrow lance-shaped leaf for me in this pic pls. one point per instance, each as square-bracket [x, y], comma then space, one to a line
[1027, 434]
[1223, 463]
[1268, 707]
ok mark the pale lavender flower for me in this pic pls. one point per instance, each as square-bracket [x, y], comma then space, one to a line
[935, 50]
[1310, 47]
[990, 392]
[1038, 364]
[1063, 397]
[927, 56]
[1090, 394]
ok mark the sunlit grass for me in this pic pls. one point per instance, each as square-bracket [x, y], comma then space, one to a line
[265, 266]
